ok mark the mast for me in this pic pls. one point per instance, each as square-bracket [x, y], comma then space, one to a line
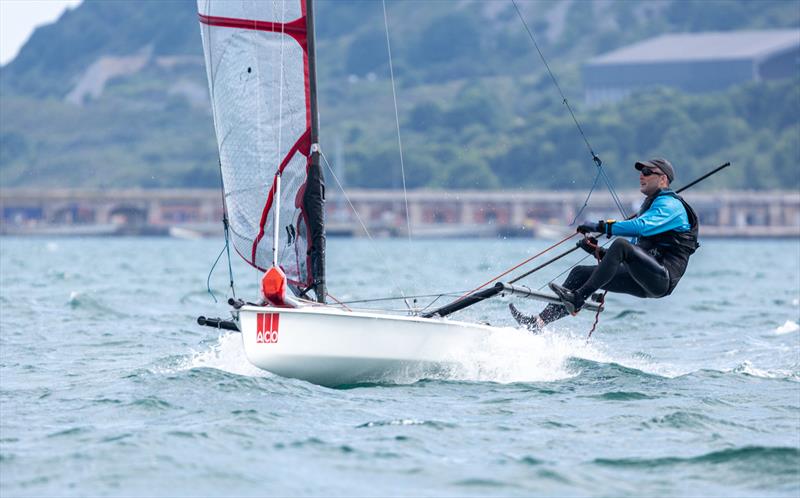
[314, 197]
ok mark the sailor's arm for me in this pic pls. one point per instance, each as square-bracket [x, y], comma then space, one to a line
[666, 213]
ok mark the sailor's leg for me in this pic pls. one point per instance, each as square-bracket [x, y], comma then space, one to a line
[647, 272]
[576, 278]
[623, 283]
[629, 269]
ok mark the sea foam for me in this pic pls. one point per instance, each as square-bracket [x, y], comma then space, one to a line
[787, 328]
[515, 355]
[227, 354]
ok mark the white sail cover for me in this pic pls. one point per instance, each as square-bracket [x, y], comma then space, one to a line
[257, 66]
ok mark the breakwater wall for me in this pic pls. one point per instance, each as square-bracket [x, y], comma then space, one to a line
[198, 212]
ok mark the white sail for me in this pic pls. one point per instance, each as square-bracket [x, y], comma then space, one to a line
[257, 64]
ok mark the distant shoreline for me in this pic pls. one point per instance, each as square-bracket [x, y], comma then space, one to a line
[195, 213]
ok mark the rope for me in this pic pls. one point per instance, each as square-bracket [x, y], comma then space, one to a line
[586, 202]
[597, 315]
[398, 298]
[598, 162]
[226, 227]
[571, 267]
[602, 296]
[397, 119]
[360, 221]
[228, 250]
[340, 303]
[208, 279]
[518, 265]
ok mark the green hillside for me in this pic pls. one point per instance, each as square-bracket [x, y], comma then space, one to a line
[477, 109]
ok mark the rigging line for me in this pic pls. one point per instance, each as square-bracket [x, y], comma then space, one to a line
[382, 257]
[343, 305]
[598, 162]
[613, 193]
[614, 196]
[211, 271]
[225, 224]
[571, 267]
[434, 302]
[397, 118]
[518, 265]
[228, 250]
[276, 208]
[398, 298]
[226, 229]
[555, 82]
[586, 201]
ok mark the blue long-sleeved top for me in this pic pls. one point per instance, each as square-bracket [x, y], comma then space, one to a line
[665, 214]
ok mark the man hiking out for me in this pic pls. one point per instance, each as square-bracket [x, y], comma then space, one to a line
[664, 236]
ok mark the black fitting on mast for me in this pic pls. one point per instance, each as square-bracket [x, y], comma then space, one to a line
[314, 197]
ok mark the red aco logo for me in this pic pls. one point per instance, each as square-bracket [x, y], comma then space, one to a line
[267, 327]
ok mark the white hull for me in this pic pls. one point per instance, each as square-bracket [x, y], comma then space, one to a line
[330, 347]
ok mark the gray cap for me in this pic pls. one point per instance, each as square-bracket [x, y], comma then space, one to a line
[660, 163]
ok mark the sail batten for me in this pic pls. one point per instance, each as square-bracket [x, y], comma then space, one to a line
[258, 74]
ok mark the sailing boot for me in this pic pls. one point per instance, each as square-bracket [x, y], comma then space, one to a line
[533, 323]
[570, 299]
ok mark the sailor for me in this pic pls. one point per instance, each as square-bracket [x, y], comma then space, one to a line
[650, 265]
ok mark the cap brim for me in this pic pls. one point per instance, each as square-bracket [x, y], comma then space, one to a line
[639, 165]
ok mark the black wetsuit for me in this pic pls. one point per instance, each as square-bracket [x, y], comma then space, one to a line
[650, 268]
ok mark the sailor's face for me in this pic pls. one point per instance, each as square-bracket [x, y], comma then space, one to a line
[652, 183]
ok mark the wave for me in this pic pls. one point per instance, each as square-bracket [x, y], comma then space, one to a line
[405, 422]
[79, 300]
[747, 368]
[626, 313]
[771, 459]
[623, 396]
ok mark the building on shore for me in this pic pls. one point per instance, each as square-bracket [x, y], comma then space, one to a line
[198, 212]
[693, 62]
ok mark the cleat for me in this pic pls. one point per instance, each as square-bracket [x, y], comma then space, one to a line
[569, 299]
[531, 322]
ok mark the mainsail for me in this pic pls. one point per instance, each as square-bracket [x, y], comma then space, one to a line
[260, 64]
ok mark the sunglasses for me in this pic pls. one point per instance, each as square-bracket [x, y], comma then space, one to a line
[650, 171]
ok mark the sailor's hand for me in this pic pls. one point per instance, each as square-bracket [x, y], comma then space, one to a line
[588, 244]
[588, 227]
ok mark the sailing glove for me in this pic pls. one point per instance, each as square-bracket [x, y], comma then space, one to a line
[602, 226]
[589, 244]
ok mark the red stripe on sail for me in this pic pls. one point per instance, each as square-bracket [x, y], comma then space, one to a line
[296, 29]
[303, 145]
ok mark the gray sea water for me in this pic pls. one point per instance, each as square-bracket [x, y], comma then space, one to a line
[108, 388]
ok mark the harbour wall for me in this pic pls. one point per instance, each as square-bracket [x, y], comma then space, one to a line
[431, 213]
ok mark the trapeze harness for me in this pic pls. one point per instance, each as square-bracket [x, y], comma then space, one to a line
[671, 248]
